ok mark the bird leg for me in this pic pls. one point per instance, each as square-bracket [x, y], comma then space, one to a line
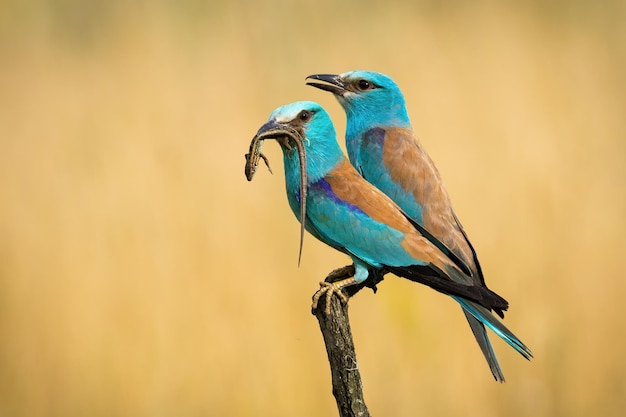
[343, 278]
[329, 289]
[334, 287]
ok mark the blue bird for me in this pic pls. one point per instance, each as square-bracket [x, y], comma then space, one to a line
[340, 208]
[384, 149]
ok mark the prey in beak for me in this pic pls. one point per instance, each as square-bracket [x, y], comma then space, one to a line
[286, 136]
[252, 159]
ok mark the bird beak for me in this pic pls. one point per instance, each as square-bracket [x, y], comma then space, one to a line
[270, 130]
[283, 133]
[332, 83]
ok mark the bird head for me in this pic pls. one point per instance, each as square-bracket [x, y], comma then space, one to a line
[306, 135]
[369, 98]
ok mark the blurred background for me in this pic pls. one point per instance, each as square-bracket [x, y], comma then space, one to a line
[142, 275]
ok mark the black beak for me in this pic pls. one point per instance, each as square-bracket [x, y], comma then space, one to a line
[333, 83]
[270, 130]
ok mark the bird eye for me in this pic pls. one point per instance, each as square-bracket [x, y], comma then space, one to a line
[304, 115]
[364, 85]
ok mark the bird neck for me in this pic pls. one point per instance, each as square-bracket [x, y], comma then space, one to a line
[363, 116]
[321, 158]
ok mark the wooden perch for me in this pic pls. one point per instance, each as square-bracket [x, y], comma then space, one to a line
[347, 385]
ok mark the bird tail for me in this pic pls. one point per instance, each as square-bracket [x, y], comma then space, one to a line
[485, 345]
[451, 284]
[478, 318]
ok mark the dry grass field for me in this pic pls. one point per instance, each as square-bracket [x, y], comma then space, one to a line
[142, 275]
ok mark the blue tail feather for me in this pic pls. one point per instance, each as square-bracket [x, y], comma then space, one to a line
[489, 320]
[478, 329]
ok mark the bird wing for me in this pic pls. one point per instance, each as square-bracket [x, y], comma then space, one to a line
[393, 160]
[346, 225]
[349, 214]
[358, 216]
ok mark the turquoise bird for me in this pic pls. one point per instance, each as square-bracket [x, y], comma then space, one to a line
[384, 149]
[340, 208]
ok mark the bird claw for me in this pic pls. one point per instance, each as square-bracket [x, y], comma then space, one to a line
[329, 289]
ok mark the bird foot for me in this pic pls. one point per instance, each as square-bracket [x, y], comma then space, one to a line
[332, 288]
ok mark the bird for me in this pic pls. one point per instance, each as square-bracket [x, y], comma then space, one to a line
[385, 150]
[336, 205]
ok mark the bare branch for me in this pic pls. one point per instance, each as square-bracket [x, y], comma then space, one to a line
[347, 385]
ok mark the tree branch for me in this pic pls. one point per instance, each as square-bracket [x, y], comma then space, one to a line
[347, 385]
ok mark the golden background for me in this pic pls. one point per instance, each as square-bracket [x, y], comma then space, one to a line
[142, 275]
